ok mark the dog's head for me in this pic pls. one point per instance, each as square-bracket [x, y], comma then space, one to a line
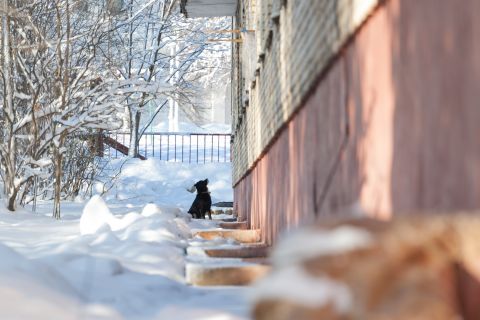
[201, 185]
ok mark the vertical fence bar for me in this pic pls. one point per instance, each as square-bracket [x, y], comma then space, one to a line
[146, 150]
[211, 153]
[190, 149]
[168, 146]
[150, 147]
[152, 140]
[175, 157]
[204, 148]
[225, 148]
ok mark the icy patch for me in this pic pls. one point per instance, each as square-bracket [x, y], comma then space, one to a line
[310, 243]
[295, 285]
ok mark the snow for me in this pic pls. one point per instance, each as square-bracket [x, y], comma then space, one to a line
[289, 281]
[116, 256]
[295, 285]
[166, 183]
[309, 243]
[193, 128]
[95, 215]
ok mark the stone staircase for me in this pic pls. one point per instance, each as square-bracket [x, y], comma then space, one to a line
[230, 255]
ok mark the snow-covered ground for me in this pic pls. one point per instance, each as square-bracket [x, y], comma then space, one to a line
[193, 128]
[123, 258]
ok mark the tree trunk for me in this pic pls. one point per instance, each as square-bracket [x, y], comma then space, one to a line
[134, 134]
[8, 108]
[137, 135]
[58, 170]
[57, 183]
[12, 200]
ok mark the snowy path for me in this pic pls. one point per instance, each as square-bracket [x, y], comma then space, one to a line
[131, 267]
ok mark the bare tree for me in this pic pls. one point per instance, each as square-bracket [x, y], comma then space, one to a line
[52, 88]
[156, 45]
[70, 67]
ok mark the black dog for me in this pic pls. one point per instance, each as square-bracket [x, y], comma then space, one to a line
[203, 202]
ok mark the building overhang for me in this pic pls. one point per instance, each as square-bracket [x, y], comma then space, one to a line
[208, 8]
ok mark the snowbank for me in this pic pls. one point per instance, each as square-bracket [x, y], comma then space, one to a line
[95, 215]
[166, 183]
[308, 243]
[120, 256]
[289, 280]
[295, 285]
[34, 290]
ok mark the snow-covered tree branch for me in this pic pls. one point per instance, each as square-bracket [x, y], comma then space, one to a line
[72, 68]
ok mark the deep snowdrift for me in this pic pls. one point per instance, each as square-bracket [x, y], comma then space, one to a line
[120, 256]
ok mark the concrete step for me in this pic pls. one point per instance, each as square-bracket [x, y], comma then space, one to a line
[242, 236]
[259, 260]
[229, 220]
[234, 225]
[202, 274]
[243, 252]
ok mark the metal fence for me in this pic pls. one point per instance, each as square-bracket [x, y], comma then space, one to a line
[177, 147]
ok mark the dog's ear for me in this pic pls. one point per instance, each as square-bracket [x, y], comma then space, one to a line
[206, 181]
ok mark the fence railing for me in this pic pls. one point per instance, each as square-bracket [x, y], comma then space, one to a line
[177, 147]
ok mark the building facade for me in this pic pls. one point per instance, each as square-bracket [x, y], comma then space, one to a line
[355, 107]
[344, 107]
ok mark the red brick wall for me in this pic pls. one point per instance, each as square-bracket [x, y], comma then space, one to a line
[392, 127]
